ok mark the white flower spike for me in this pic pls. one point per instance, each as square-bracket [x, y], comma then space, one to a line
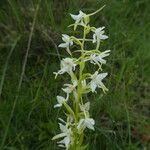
[97, 81]
[77, 116]
[68, 42]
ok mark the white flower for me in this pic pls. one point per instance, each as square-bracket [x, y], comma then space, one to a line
[67, 65]
[67, 44]
[78, 18]
[85, 107]
[99, 35]
[97, 81]
[66, 135]
[81, 18]
[98, 58]
[71, 88]
[60, 101]
[86, 123]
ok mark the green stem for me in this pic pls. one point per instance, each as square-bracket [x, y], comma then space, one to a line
[80, 75]
[79, 86]
[84, 35]
[96, 11]
[98, 44]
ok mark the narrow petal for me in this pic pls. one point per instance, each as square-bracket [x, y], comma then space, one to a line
[60, 119]
[61, 145]
[103, 37]
[59, 136]
[74, 17]
[63, 45]
[102, 76]
[93, 86]
[103, 87]
[57, 105]
[103, 61]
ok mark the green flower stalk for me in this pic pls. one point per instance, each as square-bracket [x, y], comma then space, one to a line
[76, 109]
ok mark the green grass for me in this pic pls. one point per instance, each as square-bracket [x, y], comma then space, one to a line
[28, 89]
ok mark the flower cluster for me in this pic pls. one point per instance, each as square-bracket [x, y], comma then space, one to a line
[76, 109]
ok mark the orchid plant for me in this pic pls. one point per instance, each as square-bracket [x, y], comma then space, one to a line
[76, 108]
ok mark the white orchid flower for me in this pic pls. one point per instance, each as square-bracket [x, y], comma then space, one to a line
[71, 88]
[67, 65]
[97, 81]
[86, 123]
[99, 35]
[85, 107]
[60, 101]
[81, 18]
[78, 18]
[99, 58]
[68, 42]
[66, 135]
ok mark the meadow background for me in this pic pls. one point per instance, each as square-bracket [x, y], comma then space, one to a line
[30, 31]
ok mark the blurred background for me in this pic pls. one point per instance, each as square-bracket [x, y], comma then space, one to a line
[30, 31]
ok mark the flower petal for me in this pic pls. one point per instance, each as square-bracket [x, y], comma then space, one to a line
[57, 105]
[101, 76]
[59, 136]
[93, 86]
[63, 45]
